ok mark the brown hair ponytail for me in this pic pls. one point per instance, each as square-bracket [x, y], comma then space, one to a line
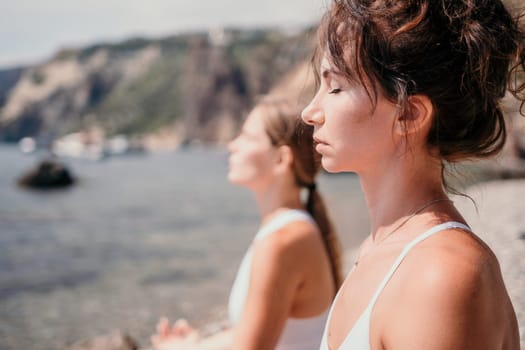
[316, 208]
[285, 127]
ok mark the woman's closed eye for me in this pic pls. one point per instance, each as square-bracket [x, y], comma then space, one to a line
[335, 91]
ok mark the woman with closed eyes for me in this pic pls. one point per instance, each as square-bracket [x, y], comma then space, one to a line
[406, 87]
[290, 274]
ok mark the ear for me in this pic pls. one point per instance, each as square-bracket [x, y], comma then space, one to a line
[417, 118]
[284, 157]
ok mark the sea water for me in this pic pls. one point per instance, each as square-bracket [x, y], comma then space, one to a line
[136, 238]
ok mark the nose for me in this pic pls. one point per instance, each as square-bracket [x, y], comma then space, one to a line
[313, 114]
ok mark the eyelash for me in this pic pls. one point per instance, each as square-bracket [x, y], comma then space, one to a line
[334, 91]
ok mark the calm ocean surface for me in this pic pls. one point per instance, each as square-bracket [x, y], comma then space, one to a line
[138, 237]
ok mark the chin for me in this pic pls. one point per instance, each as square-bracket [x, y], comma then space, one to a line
[236, 180]
[231, 178]
[330, 166]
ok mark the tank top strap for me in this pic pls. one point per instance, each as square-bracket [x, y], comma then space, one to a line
[438, 228]
[282, 220]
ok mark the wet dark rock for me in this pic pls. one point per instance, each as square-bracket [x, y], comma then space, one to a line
[48, 174]
[116, 340]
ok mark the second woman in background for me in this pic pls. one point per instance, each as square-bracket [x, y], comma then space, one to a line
[292, 270]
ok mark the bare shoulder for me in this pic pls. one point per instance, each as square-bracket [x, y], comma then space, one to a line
[455, 277]
[295, 237]
[454, 258]
[455, 268]
[282, 254]
[287, 247]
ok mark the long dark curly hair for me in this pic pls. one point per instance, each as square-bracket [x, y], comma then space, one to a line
[463, 55]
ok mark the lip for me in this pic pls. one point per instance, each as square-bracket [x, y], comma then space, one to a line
[317, 139]
[320, 145]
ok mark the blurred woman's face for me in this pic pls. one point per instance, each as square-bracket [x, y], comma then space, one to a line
[350, 134]
[252, 155]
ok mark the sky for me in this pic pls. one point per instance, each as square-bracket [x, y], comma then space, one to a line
[32, 30]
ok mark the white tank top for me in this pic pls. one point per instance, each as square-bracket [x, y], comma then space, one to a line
[359, 336]
[298, 333]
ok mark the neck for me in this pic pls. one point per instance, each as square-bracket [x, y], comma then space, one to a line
[272, 199]
[398, 190]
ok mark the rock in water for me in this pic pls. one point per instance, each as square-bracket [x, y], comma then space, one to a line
[48, 174]
[115, 340]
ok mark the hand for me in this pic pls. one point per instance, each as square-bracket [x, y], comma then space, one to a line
[179, 337]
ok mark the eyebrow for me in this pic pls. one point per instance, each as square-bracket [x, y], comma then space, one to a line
[326, 72]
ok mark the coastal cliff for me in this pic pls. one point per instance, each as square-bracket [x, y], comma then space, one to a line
[172, 91]
[189, 87]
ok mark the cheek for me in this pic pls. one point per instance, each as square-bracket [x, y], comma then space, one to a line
[351, 138]
[247, 166]
[342, 130]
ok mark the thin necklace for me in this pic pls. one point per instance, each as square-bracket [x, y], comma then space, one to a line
[417, 211]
